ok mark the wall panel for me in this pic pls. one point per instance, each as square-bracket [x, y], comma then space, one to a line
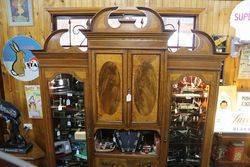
[213, 20]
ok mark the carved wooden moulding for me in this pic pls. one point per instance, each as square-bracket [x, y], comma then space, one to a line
[109, 88]
[145, 84]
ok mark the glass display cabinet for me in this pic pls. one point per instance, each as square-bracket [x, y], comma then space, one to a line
[65, 98]
[189, 106]
[190, 103]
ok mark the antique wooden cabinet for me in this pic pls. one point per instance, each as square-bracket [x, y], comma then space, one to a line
[138, 84]
[127, 68]
[144, 105]
[64, 91]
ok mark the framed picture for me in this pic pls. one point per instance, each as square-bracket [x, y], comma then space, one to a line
[19, 12]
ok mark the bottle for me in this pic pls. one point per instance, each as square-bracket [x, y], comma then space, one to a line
[60, 104]
[76, 106]
[58, 132]
[64, 102]
[77, 151]
[68, 101]
[69, 121]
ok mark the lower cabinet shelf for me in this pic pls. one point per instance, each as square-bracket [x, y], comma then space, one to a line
[231, 150]
[127, 148]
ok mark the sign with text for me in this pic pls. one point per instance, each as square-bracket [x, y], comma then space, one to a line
[18, 58]
[233, 122]
[240, 20]
[243, 101]
[230, 118]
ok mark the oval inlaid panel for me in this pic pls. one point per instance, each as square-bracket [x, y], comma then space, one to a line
[145, 84]
[109, 87]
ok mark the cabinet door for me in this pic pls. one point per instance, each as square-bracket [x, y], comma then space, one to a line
[108, 87]
[65, 109]
[191, 108]
[145, 76]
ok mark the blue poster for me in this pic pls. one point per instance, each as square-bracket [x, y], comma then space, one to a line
[19, 60]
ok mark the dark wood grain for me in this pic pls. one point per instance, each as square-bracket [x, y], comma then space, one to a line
[145, 78]
[109, 87]
[145, 88]
[110, 77]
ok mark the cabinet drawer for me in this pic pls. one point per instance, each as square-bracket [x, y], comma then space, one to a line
[141, 163]
[110, 162]
[115, 162]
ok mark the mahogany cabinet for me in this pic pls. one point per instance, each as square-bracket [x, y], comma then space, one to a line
[127, 73]
[145, 106]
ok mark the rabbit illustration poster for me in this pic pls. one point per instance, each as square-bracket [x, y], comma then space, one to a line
[34, 102]
[19, 60]
[20, 12]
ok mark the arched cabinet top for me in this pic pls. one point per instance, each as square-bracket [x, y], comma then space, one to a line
[54, 55]
[52, 43]
[204, 45]
[151, 35]
[154, 22]
[202, 57]
[128, 36]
